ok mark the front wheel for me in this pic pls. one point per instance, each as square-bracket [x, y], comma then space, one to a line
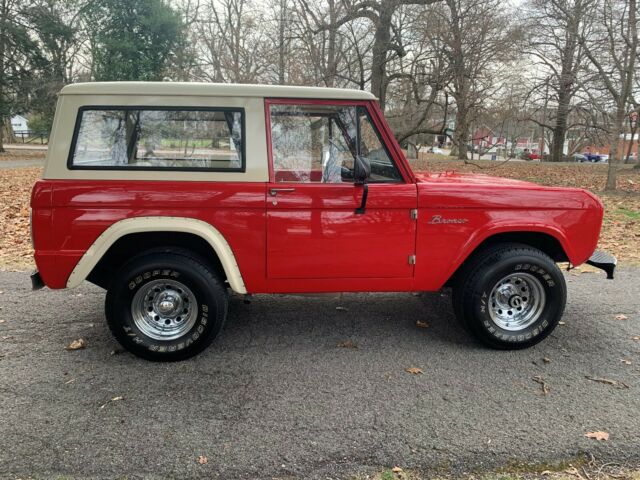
[165, 306]
[510, 297]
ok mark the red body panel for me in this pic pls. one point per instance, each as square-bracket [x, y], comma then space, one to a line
[314, 232]
[310, 239]
[83, 210]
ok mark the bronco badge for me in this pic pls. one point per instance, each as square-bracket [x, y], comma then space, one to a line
[437, 219]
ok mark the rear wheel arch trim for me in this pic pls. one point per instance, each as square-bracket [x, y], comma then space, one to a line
[129, 226]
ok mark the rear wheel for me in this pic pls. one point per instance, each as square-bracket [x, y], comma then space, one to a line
[511, 296]
[165, 306]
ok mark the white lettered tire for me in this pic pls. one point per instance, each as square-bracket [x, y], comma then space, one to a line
[510, 296]
[165, 306]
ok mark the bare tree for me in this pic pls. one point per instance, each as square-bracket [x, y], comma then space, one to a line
[328, 52]
[233, 41]
[554, 43]
[612, 47]
[19, 60]
[478, 41]
[418, 102]
[386, 43]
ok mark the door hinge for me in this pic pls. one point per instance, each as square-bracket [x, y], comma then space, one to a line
[414, 213]
[412, 259]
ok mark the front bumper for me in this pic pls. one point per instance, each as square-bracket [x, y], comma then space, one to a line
[604, 261]
[36, 281]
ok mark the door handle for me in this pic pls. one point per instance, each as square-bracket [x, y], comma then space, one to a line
[274, 191]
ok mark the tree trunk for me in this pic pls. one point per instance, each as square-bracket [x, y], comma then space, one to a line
[557, 147]
[560, 128]
[2, 150]
[634, 129]
[461, 133]
[282, 50]
[381, 43]
[614, 156]
[332, 64]
[3, 110]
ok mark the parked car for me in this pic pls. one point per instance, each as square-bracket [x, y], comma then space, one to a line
[170, 195]
[578, 157]
[594, 157]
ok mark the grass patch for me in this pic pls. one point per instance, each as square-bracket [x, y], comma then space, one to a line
[576, 468]
[635, 214]
[517, 467]
[22, 154]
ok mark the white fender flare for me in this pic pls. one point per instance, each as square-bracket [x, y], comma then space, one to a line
[159, 224]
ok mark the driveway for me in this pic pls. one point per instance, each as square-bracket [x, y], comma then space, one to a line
[276, 397]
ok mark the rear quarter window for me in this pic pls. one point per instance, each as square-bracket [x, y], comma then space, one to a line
[163, 138]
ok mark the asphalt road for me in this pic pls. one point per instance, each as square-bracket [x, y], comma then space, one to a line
[275, 397]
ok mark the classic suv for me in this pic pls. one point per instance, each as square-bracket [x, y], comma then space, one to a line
[169, 194]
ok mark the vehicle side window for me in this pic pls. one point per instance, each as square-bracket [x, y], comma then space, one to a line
[319, 144]
[158, 139]
[371, 147]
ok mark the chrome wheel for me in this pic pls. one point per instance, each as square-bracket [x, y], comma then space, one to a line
[164, 309]
[516, 301]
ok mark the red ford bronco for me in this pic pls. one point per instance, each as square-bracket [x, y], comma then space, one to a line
[170, 194]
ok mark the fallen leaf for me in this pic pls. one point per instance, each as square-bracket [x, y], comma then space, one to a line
[600, 436]
[76, 345]
[546, 360]
[414, 370]
[543, 385]
[114, 399]
[342, 309]
[621, 317]
[348, 344]
[202, 460]
[421, 324]
[397, 470]
[607, 381]
[573, 471]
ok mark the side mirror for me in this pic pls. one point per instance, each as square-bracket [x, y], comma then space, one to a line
[361, 170]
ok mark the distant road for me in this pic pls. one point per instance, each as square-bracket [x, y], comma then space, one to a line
[21, 163]
[24, 146]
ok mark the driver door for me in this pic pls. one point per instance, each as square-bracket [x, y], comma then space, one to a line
[313, 230]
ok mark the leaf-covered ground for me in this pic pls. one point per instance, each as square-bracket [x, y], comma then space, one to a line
[15, 193]
[22, 154]
[620, 234]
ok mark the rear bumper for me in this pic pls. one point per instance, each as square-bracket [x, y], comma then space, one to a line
[36, 281]
[604, 261]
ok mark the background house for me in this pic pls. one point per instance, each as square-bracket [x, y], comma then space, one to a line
[19, 124]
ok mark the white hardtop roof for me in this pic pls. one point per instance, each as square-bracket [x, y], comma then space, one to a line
[213, 90]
